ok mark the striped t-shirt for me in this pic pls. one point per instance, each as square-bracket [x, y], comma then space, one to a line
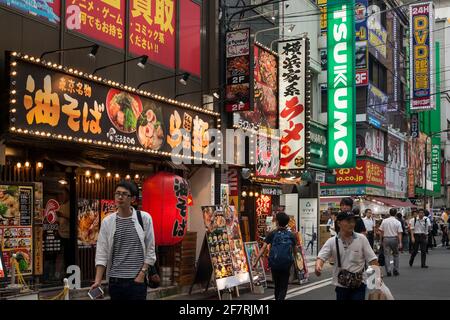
[128, 255]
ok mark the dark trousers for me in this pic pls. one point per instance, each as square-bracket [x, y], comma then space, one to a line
[281, 281]
[420, 240]
[370, 237]
[127, 289]
[351, 294]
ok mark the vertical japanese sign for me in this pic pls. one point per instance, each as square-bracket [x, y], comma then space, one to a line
[361, 47]
[47, 10]
[263, 210]
[293, 59]
[341, 84]
[238, 90]
[152, 30]
[422, 60]
[102, 20]
[414, 123]
[323, 16]
[233, 182]
[435, 126]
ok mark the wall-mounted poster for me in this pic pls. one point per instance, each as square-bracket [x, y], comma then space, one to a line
[47, 10]
[100, 20]
[267, 157]
[265, 96]
[19, 241]
[370, 143]
[107, 207]
[263, 210]
[257, 272]
[225, 246]
[88, 222]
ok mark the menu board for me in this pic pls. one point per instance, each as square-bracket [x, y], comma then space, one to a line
[16, 237]
[256, 272]
[225, 246]
[88, 222]
[19, 241]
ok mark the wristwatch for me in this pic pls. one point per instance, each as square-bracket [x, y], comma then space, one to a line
[145, 271]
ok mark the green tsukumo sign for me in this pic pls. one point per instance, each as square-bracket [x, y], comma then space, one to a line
[341, 84]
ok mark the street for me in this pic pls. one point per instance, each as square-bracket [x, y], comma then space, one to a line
[413, 283]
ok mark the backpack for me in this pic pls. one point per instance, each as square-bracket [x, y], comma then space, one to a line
[281, 255]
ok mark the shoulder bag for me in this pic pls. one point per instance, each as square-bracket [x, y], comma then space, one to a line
[352, 280]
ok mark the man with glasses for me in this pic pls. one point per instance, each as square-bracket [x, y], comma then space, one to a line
[125, 248]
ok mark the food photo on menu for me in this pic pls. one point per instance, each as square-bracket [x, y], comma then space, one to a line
[9, 205]
[123, 110]
[150, 130]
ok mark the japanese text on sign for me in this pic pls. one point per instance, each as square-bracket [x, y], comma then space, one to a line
[181, 192]
[292, 103]
[101, 20]
[152, 29]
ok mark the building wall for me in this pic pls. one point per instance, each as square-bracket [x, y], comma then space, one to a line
[202, 188]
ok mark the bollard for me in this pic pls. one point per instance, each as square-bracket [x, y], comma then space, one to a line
[66, 289]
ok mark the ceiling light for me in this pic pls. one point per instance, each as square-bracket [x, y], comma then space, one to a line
[63, 181]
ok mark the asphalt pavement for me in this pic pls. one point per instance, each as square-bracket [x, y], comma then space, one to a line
[413, 283]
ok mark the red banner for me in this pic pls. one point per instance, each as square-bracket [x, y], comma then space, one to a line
[365, 172]
[152, 30]
[102, 20]
[190, 42]
[263, 210]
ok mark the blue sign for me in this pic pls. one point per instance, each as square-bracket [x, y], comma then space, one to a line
[45, 9]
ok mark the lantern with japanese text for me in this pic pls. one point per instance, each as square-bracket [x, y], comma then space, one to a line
[165, 197]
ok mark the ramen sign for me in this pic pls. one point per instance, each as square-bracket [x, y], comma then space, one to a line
[57, 103]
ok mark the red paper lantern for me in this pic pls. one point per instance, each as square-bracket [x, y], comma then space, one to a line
[165, 197]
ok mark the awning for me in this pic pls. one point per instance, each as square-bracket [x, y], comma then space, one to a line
[331, 199]
[177, 166]
[391, 202]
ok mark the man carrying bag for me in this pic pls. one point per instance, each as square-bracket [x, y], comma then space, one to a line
[352, 251]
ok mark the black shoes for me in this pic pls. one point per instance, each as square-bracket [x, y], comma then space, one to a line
[411, 263]
[389, 274]
[396, 273]
[424, 267]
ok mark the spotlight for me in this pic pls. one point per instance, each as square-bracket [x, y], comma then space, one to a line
[142, 62]
[185, 78]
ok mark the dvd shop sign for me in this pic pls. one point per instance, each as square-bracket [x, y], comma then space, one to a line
[341, 84]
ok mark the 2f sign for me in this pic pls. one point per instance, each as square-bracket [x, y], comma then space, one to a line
[341, 84]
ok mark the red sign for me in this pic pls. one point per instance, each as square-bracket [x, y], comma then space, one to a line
[365, 173]
[152, 30]
[190, 37]
[233, 182]
[165, 197]
[50, 211]
[101, 20]
[411, 183]
[362, 77]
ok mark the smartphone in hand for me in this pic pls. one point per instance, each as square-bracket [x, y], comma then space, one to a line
[95, 293]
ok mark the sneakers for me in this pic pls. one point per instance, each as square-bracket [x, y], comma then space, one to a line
[389, 274]
[396, 273]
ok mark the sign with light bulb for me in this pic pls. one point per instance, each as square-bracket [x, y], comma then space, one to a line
[53, 102]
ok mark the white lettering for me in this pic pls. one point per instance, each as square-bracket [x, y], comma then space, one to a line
[340, 98]
[340, 130]
[340, 152]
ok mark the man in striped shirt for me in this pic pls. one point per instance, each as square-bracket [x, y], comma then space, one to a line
[125, 249]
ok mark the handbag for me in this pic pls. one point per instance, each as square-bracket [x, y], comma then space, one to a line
[352, 280]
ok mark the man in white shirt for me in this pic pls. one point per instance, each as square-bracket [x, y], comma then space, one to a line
[391, 233]
[354, 252]
[419, 227]
[369, 223]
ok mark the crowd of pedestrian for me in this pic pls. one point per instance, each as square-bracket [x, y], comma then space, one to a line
[359, 241]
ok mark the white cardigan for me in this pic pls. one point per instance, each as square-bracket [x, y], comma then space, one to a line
[105, 242]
